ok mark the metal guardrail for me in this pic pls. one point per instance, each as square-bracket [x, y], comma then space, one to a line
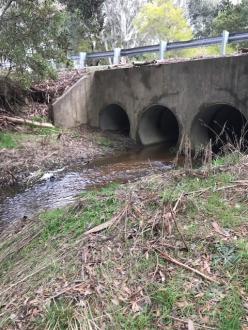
[163, 47]
[115, 54]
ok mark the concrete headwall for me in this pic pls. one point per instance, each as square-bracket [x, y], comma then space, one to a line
[70, 110]
[186, 89]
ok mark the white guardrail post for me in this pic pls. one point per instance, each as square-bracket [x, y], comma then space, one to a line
[162, 49]
[117, 56]
[82, 60]
[225, 37]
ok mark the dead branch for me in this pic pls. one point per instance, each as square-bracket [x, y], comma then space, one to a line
[200, 326]
[177, 227]
[139, 64]
[107, 224]
[176, 262]
[22, 121]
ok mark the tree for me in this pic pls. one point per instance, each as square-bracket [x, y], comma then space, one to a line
[31, 32]
[162, 20]
[201, 14]
[88, 9]
[85, 23]
[118, 28]
[233, 18]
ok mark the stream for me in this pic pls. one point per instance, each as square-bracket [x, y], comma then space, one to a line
[60, 188]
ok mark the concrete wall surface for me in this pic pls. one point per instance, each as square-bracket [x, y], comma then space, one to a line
[70, 110]
[189, 91]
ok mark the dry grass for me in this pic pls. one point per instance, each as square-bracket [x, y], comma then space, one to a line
[53, 276]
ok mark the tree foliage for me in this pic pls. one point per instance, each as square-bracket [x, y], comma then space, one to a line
[84, 24]
[162, 20]
[201, 14]
[31, 32]
[233, 18]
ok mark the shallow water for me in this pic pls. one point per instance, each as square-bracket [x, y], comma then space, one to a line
[62, 188]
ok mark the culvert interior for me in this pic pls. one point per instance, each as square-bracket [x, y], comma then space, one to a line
[158, 125]
[114, 118]
[221, 123]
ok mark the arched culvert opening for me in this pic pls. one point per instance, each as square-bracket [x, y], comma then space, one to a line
[114, 118]
[222, 124]
[157, 125]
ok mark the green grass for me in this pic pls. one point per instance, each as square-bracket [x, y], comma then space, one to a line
[227, 215]
[125, 268]
[91, 211]
[140, 321]
[7, 141]
[189, 185]
[58, 316]
[44, 130]
[231, 158]
[165, 298]
[40, 118]
[232, 311]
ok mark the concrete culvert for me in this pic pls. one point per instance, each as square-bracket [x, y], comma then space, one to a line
[114, 118]
[221, 123]
[157, 125]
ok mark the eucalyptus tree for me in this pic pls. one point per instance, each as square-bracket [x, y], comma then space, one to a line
[119, 29]
[31, 33]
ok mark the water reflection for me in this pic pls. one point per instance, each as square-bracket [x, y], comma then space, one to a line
[64, 188]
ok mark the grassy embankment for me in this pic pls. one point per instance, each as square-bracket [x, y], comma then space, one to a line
[54, 276]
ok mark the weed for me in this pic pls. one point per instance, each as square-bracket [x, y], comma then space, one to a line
[105, 142]
[225, 254]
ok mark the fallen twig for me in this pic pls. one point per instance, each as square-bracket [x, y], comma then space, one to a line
[176, 262]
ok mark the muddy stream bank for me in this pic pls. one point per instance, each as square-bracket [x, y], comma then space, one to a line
[60, 188]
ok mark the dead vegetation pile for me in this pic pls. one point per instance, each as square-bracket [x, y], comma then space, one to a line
[51, 89]
[168, 252]
[36, 101]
